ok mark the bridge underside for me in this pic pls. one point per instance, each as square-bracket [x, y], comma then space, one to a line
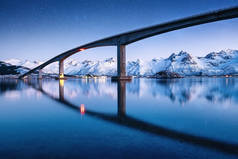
[124, 39]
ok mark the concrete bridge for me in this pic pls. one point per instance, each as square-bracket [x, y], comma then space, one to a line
[121, 40]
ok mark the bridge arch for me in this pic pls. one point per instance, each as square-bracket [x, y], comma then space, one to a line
[121, 40]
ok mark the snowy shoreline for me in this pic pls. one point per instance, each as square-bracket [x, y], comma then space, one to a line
[109, 77]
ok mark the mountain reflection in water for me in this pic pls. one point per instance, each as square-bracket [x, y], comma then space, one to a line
[178, 91]
[214, 90]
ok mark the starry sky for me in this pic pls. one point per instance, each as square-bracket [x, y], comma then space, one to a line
[42, 29]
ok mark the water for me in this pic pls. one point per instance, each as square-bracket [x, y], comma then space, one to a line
[96, 118]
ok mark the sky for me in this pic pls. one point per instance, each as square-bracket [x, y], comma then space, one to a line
[42, 29]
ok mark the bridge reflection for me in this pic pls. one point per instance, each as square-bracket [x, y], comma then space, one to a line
[121, 98]
[122, 119]
[61, 90]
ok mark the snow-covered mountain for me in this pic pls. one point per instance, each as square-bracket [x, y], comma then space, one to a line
[215, 63]
[9, 69]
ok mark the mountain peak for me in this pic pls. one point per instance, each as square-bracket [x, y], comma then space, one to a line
[110, 60]
[221, 54]
[183, 53]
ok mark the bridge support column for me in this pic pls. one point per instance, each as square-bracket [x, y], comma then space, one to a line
[40, 74]
[61, 69]
[121, 64]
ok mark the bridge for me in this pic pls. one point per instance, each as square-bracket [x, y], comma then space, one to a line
[124, 39]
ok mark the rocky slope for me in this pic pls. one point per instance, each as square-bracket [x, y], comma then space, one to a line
[9, 69]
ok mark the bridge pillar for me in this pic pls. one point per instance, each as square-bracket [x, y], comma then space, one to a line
[121, 60]
[61, 69]
[121, 64]
[40, 74]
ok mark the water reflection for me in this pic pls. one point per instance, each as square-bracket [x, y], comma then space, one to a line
[180, 91]
[14, 89]
[121, 118]
[121, 98]
[214, 90]
[61, 89]
[9, 85]
[217, 90]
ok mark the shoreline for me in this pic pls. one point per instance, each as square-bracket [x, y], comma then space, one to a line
[109, 77]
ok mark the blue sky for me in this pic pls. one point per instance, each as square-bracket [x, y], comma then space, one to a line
[39, 30]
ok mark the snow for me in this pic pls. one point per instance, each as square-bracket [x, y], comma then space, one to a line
[183, 63]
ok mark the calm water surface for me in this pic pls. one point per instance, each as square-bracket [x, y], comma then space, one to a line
[96, 118]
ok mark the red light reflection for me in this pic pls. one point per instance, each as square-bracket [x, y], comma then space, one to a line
[82, 109]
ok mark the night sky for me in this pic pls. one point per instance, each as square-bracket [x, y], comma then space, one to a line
[41, 29]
